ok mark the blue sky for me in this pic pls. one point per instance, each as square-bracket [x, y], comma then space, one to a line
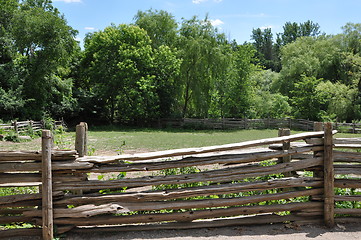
[236, 18]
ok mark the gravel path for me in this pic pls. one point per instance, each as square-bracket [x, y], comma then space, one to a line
[271, 232]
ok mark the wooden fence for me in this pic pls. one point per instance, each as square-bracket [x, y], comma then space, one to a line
[23, 126]
[244, 123]
[282, 179]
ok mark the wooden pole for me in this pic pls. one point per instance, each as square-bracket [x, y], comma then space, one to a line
[15, 123]
[286, 145]
[47, 196]
[81, 139]
[328, 177]
[317, 126]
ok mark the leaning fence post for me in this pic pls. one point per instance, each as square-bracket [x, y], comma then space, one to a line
[329, 200]
[47, 195]
[81, 139]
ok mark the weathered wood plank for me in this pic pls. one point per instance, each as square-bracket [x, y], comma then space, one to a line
[347, 169]
[199, 161]
[351, 157]
[356, 198]
[329, 176]
[347, 141]
[16, 219]
[234, 221]
[57, 155]
[125, 207]
[14, 211]
[348, 183]
[192, 215]
[35, 166]
[25, 197]
[47, 189]
[220, 175]
[347, 146]
[6, 179]
[191, 192]
[5, 234]
[194, 151]
[348, 211]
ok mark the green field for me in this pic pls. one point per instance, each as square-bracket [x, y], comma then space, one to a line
[116, 140]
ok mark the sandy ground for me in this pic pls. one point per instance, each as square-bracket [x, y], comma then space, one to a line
[275, 231]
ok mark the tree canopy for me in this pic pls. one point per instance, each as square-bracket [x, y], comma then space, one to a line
[157, 68]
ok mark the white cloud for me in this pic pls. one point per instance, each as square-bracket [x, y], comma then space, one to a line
[265, 27]
[89, 28]
[68, 1]
[216, 23]
[201, 1]
[198, 1]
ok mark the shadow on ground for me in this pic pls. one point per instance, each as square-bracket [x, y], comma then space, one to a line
[275, 231]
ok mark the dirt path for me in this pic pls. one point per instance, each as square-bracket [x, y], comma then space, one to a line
[272, 232]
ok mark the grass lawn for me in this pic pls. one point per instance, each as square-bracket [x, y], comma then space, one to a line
[149, 139]
[115, 140]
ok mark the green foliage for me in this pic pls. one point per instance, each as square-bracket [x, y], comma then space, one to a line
[339, 100]
[6, 191]
[178, 171]
[161, 68]
[160, 25]
[37, 44]
[120, 67]
[305, 101]
[264, 45]
[266, 103]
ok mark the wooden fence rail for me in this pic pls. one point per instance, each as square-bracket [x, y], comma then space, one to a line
[243, 183]
[23, 126]
[244, 123]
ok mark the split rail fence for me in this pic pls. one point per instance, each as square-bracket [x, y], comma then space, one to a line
[290, 178]
[23, 126]
[266, 123]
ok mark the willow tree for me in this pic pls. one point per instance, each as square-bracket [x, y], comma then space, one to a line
[200, 48]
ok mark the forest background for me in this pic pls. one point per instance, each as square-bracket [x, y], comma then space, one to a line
[157, 67]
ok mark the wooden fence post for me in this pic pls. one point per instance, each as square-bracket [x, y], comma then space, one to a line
[81, 139]
[317, 126]
[47, 193]
[329, 200]
[15, 123]
[285, 146]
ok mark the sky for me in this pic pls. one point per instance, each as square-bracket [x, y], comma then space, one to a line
[235, 18]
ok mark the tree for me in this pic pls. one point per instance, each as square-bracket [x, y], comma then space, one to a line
[38, 44]
[238, 92]
[167, 84]
[267, 103]
[203, 53]
[128, 75]
[160, 25]
[264, 45]
[306, 102]
[311, 57]
[339, 101]
[351, 37]
[292, 31]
